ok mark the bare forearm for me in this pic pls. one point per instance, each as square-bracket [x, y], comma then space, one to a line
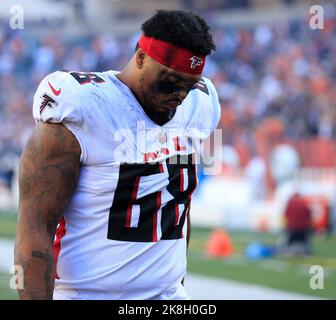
[35, 256]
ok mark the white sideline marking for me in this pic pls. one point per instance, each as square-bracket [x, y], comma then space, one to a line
[6, 254]
[205, 288]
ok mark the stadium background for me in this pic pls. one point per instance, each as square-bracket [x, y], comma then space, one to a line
[276, 83]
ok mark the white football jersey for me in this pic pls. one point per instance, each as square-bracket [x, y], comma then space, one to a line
[123, 236]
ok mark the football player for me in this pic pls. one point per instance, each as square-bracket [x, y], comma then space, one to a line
[107, 175]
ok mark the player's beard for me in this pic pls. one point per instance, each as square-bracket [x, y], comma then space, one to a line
[150, 101]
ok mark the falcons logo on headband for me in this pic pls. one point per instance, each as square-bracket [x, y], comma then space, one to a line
[195, 62]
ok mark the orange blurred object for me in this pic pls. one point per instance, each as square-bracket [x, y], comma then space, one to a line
[219, 244]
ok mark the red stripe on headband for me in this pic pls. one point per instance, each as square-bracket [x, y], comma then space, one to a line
[171, 56]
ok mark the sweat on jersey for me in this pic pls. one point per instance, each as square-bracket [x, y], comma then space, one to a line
[123, 236]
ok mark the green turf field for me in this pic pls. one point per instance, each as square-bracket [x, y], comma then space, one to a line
[7, 225]
[6, 293]
[7, 231]
[290, 274]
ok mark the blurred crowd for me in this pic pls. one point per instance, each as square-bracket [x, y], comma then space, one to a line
[286, 72]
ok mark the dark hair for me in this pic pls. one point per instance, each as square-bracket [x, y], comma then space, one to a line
[181, 28]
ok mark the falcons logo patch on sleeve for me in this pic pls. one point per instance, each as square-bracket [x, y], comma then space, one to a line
[47, 101]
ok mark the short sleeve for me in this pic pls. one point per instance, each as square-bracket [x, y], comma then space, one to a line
[56, 100]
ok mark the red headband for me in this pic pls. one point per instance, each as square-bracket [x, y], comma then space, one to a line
[171, 56]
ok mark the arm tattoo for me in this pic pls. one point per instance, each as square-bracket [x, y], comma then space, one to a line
[48, 176]
[35, 268]
[48, 260]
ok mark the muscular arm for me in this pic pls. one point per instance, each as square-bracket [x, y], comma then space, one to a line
[48, 174]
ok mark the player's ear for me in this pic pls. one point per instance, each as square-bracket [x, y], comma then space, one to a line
[140, 58]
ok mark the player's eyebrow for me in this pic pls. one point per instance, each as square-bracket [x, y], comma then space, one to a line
[192, 81]
[174, 77]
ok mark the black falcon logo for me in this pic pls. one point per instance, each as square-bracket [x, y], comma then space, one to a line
[47, 101]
